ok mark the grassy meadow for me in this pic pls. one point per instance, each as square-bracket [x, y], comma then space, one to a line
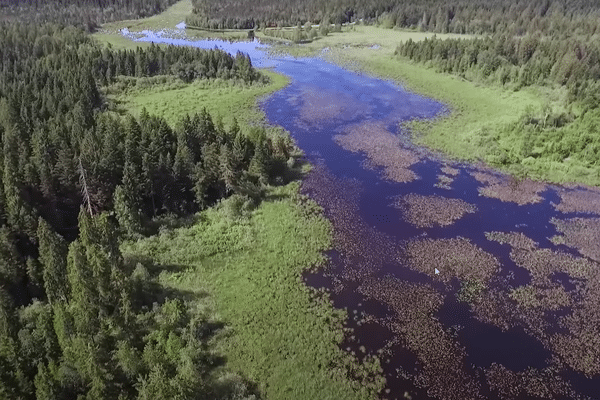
[172, 99]
[278, 333]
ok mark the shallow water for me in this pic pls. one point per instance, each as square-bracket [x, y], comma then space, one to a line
[488, 348]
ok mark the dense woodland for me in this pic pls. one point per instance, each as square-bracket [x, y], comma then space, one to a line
[458, 16]
[87, 14]
[77, 320]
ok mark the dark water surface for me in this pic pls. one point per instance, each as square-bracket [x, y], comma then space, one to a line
[324, 100]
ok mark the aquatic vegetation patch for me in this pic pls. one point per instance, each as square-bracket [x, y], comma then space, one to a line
[441, 359]
[580, 347]
[514, 239]
[545, 383]
[444, 182]
[542, 263]
[382, 148]
[577, 199]
[428, 211]
[581, 233]
[452, 258]
[363, 248]
[321, 105]
[554, 297]
[450, 170]
[522, 192]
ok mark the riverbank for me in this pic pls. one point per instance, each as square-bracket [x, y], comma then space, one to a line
[279, 333]
[484, 122]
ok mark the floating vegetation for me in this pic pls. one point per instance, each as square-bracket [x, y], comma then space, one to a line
[363, 248]
[581, 233]
[579, 200]
[514, 239]
[450, 171]
[444, 182]
[452, 258]
[513, 190]
[548, 298]
[543, 263]
[382, 148]
[580, 347]
[545, 383]
[427, 211]
[441, 359]
[470, 291]
[321, 105]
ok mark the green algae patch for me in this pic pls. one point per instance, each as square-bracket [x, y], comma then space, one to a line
[280, 333]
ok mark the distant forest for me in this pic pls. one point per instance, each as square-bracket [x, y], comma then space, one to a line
[77, 320]
[87, 14]
[513, 17]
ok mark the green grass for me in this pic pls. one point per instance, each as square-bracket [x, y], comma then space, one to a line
[283, 335]
[174, 99]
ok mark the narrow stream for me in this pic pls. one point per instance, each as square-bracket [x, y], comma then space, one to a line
[451, 311]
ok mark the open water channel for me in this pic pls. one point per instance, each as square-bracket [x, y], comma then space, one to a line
[465, 283]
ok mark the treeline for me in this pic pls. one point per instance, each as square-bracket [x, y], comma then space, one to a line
[539, 137]
[517, 61]
[76, 319]
[550, 17]
[86, 14]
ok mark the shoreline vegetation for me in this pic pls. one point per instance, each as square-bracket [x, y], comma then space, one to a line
[483, 119]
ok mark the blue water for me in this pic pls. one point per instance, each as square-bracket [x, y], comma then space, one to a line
[371, 99]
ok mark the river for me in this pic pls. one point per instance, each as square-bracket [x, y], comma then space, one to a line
[464, 282]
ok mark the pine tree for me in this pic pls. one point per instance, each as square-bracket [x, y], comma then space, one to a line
[53, 255]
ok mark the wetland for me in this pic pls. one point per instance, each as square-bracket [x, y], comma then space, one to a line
[464, 282]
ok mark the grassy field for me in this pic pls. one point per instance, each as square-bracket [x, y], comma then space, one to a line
[174, 99]
[281, 334]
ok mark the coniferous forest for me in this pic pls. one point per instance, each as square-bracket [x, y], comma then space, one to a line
[86, 14]
[464, 16]
[77, 320]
